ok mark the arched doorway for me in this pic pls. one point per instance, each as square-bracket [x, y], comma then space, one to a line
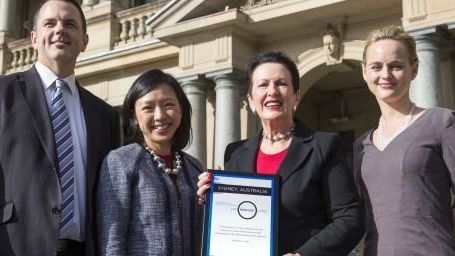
[335, 97]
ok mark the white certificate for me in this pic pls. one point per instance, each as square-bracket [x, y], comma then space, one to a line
[240, 216]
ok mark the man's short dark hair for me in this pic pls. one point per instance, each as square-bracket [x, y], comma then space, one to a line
[272, 57]
[73, 2]
[144, 84]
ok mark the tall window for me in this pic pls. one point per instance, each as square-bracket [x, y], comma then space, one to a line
[21, 16]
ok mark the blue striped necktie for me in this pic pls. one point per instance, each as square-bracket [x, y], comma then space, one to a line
[64, 147]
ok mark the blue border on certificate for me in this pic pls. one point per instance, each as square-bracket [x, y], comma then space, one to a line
[274, 205]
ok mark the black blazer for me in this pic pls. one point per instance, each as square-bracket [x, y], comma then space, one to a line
[320, 212]
[30, 195]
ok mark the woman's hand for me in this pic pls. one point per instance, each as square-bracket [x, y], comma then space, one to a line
[203, 185]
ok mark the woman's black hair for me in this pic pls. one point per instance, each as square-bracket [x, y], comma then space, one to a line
[144, 84]
[272, 57]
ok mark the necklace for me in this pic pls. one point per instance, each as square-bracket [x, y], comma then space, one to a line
[382, 140]
[162, 164]
[281, 136]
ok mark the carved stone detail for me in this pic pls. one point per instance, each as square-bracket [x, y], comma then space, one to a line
[222, 47]
[186, 56]
[332, 40]
[417, 10]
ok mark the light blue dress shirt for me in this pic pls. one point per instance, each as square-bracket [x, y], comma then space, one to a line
[79, 137]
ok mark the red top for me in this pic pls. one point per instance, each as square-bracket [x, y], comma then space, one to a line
[168, 160]
[269, 164]
[169, 164]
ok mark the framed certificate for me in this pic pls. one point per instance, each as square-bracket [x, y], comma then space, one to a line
[241, 213]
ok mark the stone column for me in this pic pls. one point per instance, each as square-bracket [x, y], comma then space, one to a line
[227, 114]
[7, 7]
[426, 88]
[8, 20]
[195, 90]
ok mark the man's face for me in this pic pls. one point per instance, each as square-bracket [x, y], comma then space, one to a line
[58, 35]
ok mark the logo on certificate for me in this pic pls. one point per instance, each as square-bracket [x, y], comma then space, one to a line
[247, 210]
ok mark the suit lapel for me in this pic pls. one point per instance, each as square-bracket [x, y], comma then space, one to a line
[89, 117]
[298, 152]
[33, 92]
[248, 156]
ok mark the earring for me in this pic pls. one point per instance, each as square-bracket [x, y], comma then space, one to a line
[135, 126]
[253, 110]
[294, 108]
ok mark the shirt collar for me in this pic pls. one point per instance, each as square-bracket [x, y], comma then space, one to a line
[48, 77]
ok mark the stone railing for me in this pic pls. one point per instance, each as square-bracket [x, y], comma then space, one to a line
[132, 23]
[22, 55]
[249, 4]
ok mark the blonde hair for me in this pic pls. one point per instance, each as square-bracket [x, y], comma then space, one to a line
[392, 32]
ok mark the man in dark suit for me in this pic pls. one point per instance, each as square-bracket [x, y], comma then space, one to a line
[54, 135]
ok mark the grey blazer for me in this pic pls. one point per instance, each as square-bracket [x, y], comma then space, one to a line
[139, 209]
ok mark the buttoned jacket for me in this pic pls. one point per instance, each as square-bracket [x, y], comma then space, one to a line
[30, 196]
[320, 212]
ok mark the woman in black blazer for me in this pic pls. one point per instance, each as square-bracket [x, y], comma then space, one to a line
[320, 212]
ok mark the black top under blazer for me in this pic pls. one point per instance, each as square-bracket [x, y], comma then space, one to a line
[320, 212]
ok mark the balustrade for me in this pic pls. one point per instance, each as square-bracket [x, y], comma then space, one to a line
[22, 55]
[132, 24]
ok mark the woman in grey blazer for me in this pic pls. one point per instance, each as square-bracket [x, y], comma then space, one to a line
[146, 196]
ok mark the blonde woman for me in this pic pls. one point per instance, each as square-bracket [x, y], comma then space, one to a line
[404, 168]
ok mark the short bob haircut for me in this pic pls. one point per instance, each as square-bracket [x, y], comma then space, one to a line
[272, 57]
[392, 32]
[144, 84]
[73, 2]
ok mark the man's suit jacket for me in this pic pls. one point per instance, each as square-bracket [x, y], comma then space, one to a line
[30, 195]
[320, 212]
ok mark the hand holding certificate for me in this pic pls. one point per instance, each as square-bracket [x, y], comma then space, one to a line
[241, 214]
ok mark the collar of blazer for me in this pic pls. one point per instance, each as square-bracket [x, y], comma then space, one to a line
[299, 150]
